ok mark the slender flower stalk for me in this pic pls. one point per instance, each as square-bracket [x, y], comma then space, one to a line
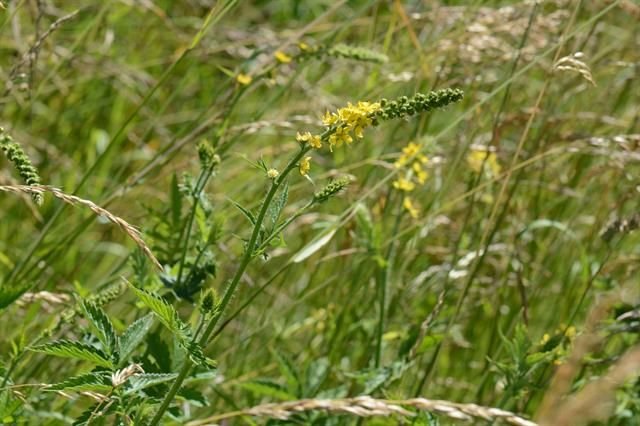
[340, 128]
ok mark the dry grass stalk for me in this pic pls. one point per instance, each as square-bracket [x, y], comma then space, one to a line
[365, 406]
[573, 63]
[30, 55]
[597, 399]
[131, 231]
[46, 297]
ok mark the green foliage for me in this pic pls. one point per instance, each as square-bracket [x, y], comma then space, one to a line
[76, 350]
[333, 216]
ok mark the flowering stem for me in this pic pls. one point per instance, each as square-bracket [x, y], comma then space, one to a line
[230, 291]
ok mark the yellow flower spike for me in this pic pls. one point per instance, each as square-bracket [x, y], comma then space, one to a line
[305, 166]
[409, 207]
[244, 79]
[403, 184]
[282, 57]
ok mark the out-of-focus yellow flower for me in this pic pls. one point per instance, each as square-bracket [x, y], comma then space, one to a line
[545, 338]
[244, 79]
[313, 140]
[305, 165]
[421, 174]
[272, 173]
[409, 207]
[482, 156]
[303, 46]
[413, 162]
[570, 332]
[282, 57]
[404, 185]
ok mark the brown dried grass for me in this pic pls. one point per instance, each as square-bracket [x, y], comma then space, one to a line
[73, 200]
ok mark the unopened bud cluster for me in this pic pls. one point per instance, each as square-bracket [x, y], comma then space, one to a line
[330, 190]
[406, 107]
[20, 161]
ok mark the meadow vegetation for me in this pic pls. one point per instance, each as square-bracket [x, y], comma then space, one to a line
[325, 213]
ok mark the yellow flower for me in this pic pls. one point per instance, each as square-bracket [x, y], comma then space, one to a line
[545, 338]
[570, 332]
[272, 173]
[244, 79]
[282, 57]
[329, 119]
[340, 136]
[421, 174]
[409, 207]
[479, 157]
[408, 152]
[303, 46]
[305, 166]
[313, 140]
[404, 185]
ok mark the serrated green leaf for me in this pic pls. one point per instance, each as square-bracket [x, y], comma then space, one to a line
[165, 313]
[77, 350]
[95, 382]
[142, 381]
[133, 335]
[102, 326]
[245, 212]
[268, 388]
[278, 203]
[288, 370]
[193, 397]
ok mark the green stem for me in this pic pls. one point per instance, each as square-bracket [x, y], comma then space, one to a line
[383, 279]
[228, 295]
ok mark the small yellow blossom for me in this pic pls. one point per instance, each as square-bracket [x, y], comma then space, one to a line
[409, 207]
[272, 173]
[570, 332]
[282, 57]
[479, 157]
[340, 136]
[421, 174]
[348, 121]
[408, 152]
[329, 118]
[244, 79]
[545, 338]
[305, 166]
[404, 185]
[303, 46]
[313, 140]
